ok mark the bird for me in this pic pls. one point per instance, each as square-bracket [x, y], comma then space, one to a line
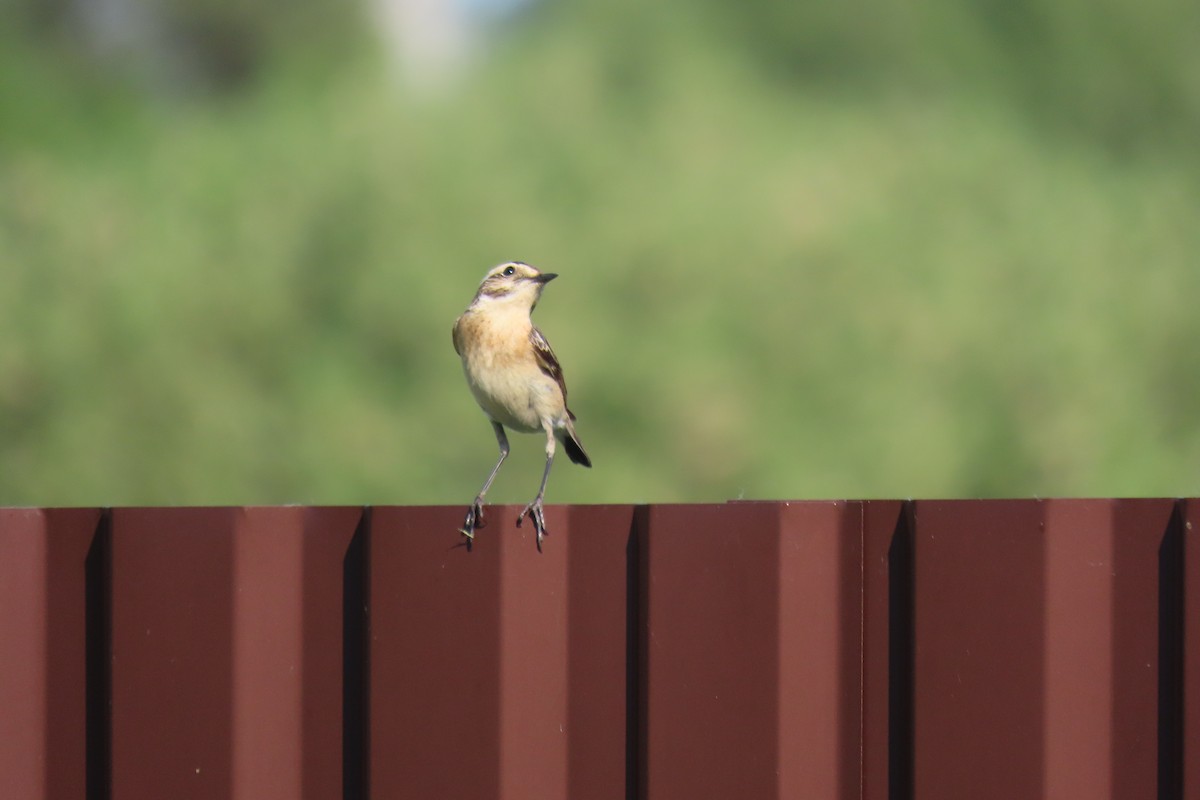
[515, 377]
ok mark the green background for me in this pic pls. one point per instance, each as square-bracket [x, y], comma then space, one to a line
[817, 250]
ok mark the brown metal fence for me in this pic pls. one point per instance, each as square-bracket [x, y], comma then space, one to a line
[882, 650]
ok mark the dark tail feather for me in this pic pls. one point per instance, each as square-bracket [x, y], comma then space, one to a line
[574, 449]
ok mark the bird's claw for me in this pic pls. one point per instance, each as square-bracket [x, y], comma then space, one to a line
[474, 519]
[534, 510]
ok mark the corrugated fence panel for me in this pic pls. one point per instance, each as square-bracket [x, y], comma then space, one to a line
[1145, 651]
[820, 650]
[1079, 657]
[752, 614]
[226, 652]
[44, 571]
[602, 614]
[498, 672]
[711, 673]
[1047, 655]
[883, 650]
[977, 624]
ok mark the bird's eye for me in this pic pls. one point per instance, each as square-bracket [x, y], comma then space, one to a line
[510, 271]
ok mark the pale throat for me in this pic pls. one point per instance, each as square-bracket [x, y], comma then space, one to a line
[519, 301]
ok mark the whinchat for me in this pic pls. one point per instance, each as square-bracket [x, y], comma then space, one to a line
[514, 375]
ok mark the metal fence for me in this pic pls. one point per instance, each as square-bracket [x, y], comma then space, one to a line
[884, 650]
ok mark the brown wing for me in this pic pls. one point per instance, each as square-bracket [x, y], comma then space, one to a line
[548, 362]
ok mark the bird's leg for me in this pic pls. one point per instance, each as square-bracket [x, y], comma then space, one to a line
[475, 511]
[534, 509]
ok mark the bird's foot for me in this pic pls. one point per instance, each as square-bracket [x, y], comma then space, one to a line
[534, 510]
[474, 519]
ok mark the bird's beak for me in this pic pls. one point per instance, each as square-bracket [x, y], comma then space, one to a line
[546, 277]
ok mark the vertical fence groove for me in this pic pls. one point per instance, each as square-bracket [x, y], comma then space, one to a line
[98, 657]
[1170, 658]
[635, 653]
[901, 657]
[355, 646]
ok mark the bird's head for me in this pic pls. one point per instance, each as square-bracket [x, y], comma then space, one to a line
[513, 282]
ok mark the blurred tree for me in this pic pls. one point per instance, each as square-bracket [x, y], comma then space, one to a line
[1125, 73]
[187, 46]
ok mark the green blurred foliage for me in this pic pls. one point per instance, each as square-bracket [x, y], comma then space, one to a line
[1122, 74]
[841, 250]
